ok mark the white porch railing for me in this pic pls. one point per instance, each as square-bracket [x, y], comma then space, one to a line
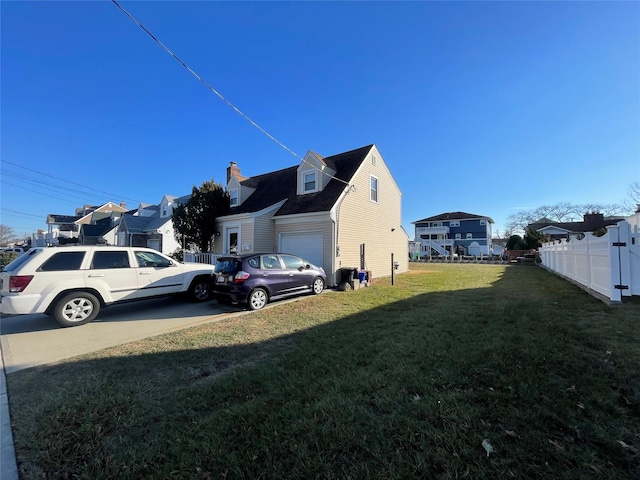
[608, 265]
[207, 257]
[432, 230]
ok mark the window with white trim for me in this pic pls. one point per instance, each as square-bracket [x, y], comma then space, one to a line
[309, 182]
[233, 197]
[469, 236]
[454, 223]
[458, 236]
[483, 222]
[374, 189]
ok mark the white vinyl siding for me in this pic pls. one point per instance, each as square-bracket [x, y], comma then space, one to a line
[264, 234]
[362, 221]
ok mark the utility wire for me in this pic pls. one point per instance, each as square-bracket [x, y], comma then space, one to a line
[218, 93]
[50, 186]
[111, 195]
[17, 213]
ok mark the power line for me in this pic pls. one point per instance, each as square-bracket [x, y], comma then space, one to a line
[111, 195]
[218, 94]
[39, 193]
[17, 213]
[49, 186]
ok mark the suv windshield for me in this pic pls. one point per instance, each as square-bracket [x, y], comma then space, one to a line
[227, 266]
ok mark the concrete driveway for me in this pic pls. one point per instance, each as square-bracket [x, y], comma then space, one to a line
[31, 340]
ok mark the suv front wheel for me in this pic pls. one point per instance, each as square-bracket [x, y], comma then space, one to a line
[76, 308]
[200, 289]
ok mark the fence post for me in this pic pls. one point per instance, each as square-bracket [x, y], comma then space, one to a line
[613, 232]
[624, 257]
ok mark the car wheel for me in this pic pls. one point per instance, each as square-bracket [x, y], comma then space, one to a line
[200, 290]
[257, 299]
[76, 308]
[318, 285]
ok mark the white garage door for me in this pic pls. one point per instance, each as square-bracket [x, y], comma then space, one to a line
[307, 245]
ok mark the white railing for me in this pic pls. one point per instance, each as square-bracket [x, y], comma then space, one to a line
[208, 257]
[432, 230]
[608, 265]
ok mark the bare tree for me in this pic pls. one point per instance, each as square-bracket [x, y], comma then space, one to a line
[560, 213]
[6, 234]
[632, 204]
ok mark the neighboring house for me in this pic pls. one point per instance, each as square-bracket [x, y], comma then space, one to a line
[458, 232]
[68, 226]
[339, 211]
[592, 222]
[634, 220]
[151, 226]
[100, 234]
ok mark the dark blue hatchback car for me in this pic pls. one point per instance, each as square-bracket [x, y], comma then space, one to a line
[258, 278]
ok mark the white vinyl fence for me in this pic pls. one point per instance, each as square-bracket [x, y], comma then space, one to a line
[608, 265]
[207, 257]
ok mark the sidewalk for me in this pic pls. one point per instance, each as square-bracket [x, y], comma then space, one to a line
[8, 466]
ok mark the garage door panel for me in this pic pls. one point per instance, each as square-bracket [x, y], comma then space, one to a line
[307, 245]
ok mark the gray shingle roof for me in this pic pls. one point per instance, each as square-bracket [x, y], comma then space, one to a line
[274, 187]
[453, 216]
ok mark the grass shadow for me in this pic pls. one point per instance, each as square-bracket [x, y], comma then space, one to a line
[457, 370]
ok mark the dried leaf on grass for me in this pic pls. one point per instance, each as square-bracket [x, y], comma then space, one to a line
[487, 446]
[631, 448]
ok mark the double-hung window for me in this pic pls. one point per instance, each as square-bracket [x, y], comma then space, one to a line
[233, 196]
[309, 182]
[374, 189]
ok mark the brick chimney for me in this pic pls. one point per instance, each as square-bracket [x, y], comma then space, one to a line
[234, 171]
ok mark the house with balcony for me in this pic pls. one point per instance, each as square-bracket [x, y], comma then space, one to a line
[450, 233]
[64, 229]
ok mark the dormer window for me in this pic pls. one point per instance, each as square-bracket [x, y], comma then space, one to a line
[233, 196]
[309, 182]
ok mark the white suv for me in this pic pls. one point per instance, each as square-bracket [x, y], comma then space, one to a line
[73, 283]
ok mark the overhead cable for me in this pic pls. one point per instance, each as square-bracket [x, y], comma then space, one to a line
[218, 94]
[110, 195]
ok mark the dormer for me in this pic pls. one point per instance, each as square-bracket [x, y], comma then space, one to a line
[313, 174]
[238, 193]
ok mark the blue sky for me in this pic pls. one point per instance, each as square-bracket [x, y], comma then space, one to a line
[482, 107]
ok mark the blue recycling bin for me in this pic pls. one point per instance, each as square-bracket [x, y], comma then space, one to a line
[362, 276]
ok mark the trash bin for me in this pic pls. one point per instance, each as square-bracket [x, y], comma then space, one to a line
[362, 276]
[348, 274]
[345, 278]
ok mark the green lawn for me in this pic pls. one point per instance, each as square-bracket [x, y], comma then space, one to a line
[457, 371]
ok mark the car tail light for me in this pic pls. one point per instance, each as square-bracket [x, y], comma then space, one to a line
[240, 277]
[18, 283]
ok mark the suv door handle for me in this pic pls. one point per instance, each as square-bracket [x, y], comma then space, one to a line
[145, 273]
[96, 275]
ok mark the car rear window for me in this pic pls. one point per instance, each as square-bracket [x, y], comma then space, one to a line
[21, 260]
[63, 261]
[228, 266]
